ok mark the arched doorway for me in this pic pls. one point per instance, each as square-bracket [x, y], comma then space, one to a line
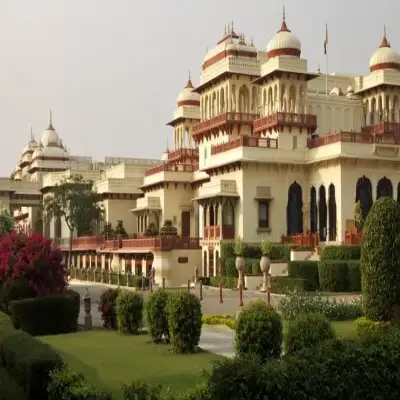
[384, 188]
[322, 213]
[313, 211]
[332, 212]
[364, 195]
[294, 210]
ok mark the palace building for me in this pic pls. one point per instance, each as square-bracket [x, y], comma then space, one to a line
[263, 149]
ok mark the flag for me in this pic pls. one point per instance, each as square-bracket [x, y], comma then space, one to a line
[326, 39]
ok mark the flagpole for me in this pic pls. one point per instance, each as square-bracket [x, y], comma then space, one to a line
[326, 58]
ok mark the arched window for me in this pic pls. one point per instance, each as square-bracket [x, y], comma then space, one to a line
[294, 210]
[364, 195]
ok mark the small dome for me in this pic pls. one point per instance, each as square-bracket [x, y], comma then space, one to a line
[187, 97]
[50, 137]
[385, 57]
[284, 43]
[350, 89]
[336, 91]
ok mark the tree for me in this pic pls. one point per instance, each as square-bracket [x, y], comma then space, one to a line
[6, 220]
[77, 203]
[380, 261]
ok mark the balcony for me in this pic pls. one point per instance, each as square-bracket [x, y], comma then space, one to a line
[150, 244]
[382, 128]
[245, 141]
[221, 120]
[85, 243]
[182, 154]
[354, 137]
[171, 168]
[274, 121]
[214, 232]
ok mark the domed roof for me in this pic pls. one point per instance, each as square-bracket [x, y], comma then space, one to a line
[50, 137]
[350, 89]
[284, 43]
[54, 152]
[187, 97]
[336, 91]
[385, 57]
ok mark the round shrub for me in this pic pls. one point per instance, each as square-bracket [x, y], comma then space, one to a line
[184, 321]
[380, 261]
[129, 310]
[156, 316]
[365, 326]
[308, 330]
[259, 331]
[107, 303]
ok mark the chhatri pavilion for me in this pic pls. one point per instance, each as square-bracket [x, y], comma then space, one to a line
[263, 149]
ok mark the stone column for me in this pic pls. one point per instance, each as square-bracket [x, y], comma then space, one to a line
[123, 264]
[220, 216]
[103, 262]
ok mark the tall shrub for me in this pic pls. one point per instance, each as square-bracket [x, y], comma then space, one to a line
[184, 321]
[259, 331]
[380, 261]
[107, 304]
[30, 266]
[156, 316]
[129, 311]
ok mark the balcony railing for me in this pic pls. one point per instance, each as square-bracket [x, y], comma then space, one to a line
[166, 167]
[214, 232]
[353, 237]
[307, 121]
[245, 141]
[382, 127]
[86, 242]
[152, 244]
[182, 154]
[302, 239]
[354, 137]
[219, 120]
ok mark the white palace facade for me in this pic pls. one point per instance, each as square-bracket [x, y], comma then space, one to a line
[260, 150]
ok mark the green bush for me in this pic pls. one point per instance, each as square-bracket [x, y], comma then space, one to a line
[333, 276]
[136, 281]
[354, 275]
[9, 388]
[258, 331]
[17, 289]
[107, 304]
[380, 261]
[141, 391]
[365, 326]
[27, 360]
[129, 310]
[228, 267]
[285, 284]
[184, 321]
[228, 282]
[343, 252]
[205, 280]
[308, 330]
[156, 316]
[307, 270]
[296, 303]
[66, 384]
[46, 315]
[335, 369]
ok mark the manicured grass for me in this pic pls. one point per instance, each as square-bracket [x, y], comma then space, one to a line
[343, 329]
[108, 360]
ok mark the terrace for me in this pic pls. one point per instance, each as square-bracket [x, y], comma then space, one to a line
[276, 120]
[166, 167]
[382, 128]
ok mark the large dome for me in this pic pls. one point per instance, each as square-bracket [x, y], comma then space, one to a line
[284, 43]
[50, 137]
[187, 97]
[385, 57]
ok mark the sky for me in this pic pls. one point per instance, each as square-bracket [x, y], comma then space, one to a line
[111, 70]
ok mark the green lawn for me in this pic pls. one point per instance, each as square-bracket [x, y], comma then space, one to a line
[108, 360]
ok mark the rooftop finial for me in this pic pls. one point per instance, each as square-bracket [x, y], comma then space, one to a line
[32, 138]
[284, 27]
[225, 31]
[51, 121]
[252, 41]
[384, 29]
[232, 26]
[190, 76]
[284, 14]
[384, 42]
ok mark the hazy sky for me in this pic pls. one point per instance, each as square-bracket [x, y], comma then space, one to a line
[111, 69]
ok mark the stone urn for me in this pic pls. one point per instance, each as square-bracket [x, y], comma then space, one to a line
[240, 264]
[265, 265]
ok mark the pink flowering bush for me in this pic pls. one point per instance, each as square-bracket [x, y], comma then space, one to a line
[30, 266]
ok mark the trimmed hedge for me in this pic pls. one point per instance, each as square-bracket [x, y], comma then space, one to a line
[307, 270]
[27, 360]
[129, 312]
[366, 327]
[46, 315]
[354, 275]
[285, 284]
[342, 252]
[333, 276]
[156, 316]
[380, 261]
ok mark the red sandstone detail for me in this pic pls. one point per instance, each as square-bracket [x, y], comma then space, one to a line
[188, 103]
[384, 42]
[284, 27]
[284, 52]
[388, 65]
[226, 53]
